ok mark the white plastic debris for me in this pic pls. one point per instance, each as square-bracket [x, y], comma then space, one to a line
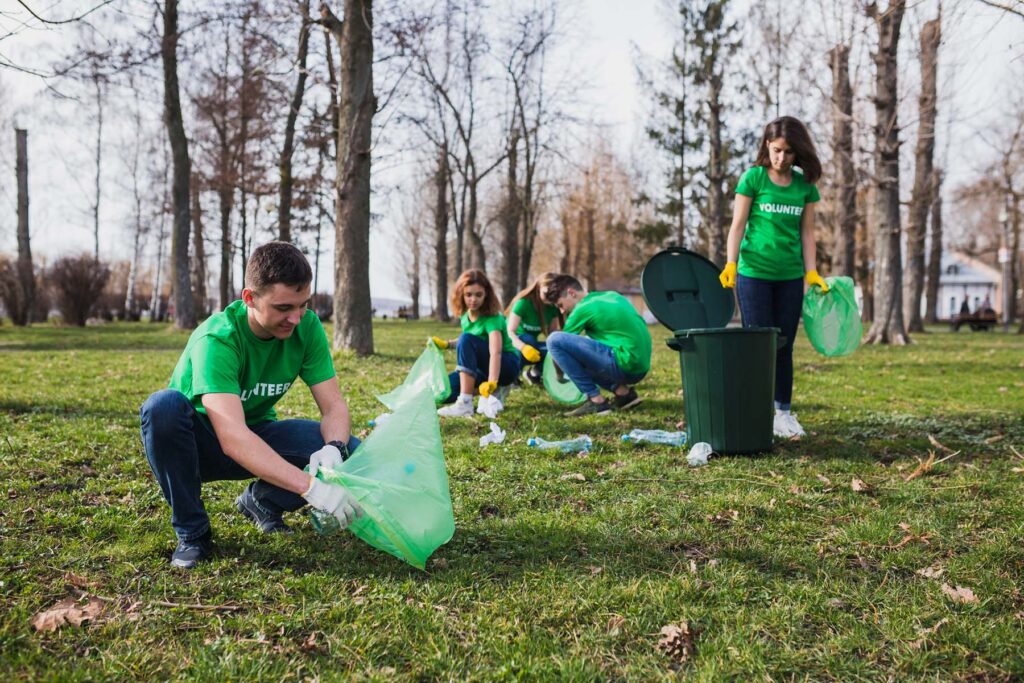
[489, 406]
[497, 435]
[379, 420]
[698, 455]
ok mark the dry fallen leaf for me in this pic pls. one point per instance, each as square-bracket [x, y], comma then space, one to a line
[67, 611]
[859, 486]
[575, 476]
[615, 624]
[924, 632]
[677, 642]
[824, 480]
[77, 581]
[959, 594]
[595, 570]
[309, 644]
[933, 572]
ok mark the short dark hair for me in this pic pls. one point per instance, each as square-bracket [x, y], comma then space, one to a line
[795, 133]
[277, 262]
[556, 287]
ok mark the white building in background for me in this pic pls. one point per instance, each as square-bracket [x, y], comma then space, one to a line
[965, 278]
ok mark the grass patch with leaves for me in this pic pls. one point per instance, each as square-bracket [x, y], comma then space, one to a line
[774, 566]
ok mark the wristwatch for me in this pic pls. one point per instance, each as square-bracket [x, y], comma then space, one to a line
[342, 448]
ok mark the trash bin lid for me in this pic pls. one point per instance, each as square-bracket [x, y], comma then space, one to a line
[682, 290]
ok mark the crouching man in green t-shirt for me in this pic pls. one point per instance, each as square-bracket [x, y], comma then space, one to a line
[217, 419]
[614, 354]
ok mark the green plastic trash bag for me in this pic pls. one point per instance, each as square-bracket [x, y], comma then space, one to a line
[562, 389]
[399, 477]
[428, 372]
[832, 320]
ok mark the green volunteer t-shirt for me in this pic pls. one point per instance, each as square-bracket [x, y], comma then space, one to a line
[529, 320]
[224, 356]
[771, 248]
[609, 318]
[484, 325]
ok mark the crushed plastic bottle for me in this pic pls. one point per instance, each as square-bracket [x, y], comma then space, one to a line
[698, 455]
[656, 436]
[324, 523]
[580, 443]
[379, 420]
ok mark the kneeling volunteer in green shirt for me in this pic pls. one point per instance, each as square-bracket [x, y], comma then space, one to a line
[616, 352]
[216, 420]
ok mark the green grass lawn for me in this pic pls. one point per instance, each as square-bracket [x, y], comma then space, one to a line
[782, 569]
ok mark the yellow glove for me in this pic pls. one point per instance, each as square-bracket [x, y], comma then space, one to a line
[531, 354]
[812, 278]
[439, 343]
[728, 275]
[488, 388]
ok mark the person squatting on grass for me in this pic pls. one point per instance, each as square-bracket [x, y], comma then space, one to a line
[486, 358]
[615, 354]
[216, 420]
[771, 250]
[529, 318]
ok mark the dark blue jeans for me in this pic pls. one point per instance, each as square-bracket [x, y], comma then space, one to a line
[473, 355]
[774, 303]
[588, 363]
[184, 453]
[531, 339]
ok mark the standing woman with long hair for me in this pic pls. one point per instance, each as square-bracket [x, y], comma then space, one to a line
[771, 248]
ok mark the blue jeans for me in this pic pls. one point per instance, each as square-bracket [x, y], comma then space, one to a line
[473, 355]
[588, 363]
[531, 339]
[774, 303]
[184, 452]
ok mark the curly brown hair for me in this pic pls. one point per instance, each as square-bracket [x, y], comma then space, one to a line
[475, 276]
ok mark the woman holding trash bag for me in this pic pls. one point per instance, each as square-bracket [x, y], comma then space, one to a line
[771, 249]
[487, 360]
[529, 318]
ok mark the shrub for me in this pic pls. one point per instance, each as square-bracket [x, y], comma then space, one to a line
[77, 283]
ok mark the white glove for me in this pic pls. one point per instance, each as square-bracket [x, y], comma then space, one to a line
[329, 456]
[333, 499]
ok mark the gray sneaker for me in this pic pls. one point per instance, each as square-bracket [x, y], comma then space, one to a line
[268, 522]
[590, 408]
[190, 553]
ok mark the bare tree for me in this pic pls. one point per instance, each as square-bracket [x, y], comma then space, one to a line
[26, 283]
[845, 180]
[921, 201]
[353, 313]
[887, 327]
[441, 236]
[184, 306]
[284, 204]
[934, 249]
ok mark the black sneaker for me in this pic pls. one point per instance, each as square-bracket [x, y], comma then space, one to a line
[189, 553]
[533, 374]
[268, 522]
[590, 408]
[627, 401]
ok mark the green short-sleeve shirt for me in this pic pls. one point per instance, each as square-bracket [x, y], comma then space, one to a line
[771, 247]
[224, 356]
[609, 318]
[483, 326]
[529, 320]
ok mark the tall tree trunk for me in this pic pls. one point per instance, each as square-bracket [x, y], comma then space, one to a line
[845, 182]
[865, 248]
[26, 275]
[284, 204]
[199, 251]
[510, 224]
[441, 236]
[477, 254]
[887, 327]
[716, 173]
[591, 250]
[99, 158]
[353, 313]
[226, 194]
[184, 307]
[414, 284]
[931, 296]
[920, 202]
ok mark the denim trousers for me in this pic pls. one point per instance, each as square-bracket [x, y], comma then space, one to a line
[183, 452]
[588, 363]
[531, 339]
[473, 355]
[774, 303]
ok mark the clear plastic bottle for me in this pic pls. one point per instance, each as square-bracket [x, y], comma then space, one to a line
[324, 523]
[656, 436]
[580, 443]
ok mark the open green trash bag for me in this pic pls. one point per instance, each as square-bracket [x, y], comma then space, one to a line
[832, 320]
[428, 372]
[399, 477]
[562, 390]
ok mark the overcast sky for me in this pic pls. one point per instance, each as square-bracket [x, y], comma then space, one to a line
[982, 54]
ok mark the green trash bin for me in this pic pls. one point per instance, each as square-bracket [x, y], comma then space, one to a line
[728, 373]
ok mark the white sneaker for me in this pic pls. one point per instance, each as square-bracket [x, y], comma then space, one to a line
[457, 409]
[786, 426]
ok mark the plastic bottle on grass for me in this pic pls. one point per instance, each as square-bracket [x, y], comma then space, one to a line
[324, 523]
[656, 436]
[580, 443]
